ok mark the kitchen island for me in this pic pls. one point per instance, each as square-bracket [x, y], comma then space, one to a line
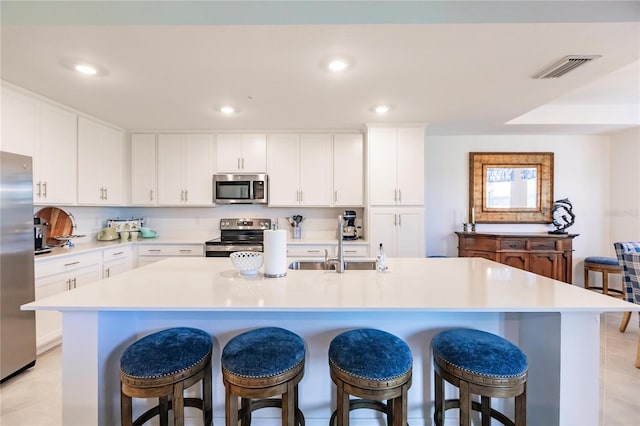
[555, 324]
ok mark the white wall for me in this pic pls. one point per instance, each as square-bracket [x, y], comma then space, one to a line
[625, 186]
[581, 173]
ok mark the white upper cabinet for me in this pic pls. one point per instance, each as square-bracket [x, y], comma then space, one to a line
[100, 163]
[299, 170]
[19, 122]
[241, 153]
[55, 158]
[185, 169]
[396, 166]
[144, 186]
[348, 173]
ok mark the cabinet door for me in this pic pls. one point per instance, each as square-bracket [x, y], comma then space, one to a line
[411, 166]
[56, 155]
[348, 171]
[116, 261]
[143, 169]
[199, 170]
[19, 122]
[112, 167]
[315, 170]
[49, 323]
[410, 239]
[284, 164]
[546, 264]
[171, 163]
[518, 260]
[90, 188]
[228, 153]
[382, 229]
[86, 276]
[254, 153]
[382, 167]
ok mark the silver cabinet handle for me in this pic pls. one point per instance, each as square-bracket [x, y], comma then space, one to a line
[186, 195]
[399, 220]
[154, 250]
[301, 196]
[313, 251]
[185, 250]
[400, 195]
[108, 272]
[242, 163]
[72, 263]
[106, 193]
[182, 195]
[351, 251]
[44, 191]
[238, 163]
[39, 188]
[102, 193]
[118, 253]
[335, 195]
[395, 219]
[151, 195]
[68, 283]
[395, 195]
[75, 283]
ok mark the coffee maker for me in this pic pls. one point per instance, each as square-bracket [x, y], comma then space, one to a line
[349, 230]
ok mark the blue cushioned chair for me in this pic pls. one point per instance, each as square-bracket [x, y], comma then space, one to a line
[483, 364]
[260, 364]
[606, 266]
[629, 257]
[374, 366]
[162, 365]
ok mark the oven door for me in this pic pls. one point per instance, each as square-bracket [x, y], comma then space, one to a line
[225, 249]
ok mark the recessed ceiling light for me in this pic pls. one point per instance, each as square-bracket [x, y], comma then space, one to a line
[227, 110]
[86, 69]
[338, 65]
[381, 109]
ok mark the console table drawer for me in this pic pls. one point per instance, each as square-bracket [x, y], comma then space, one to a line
[543, 245]
[513, 244]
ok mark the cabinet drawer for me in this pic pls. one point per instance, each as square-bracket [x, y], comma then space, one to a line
[355, 251]
[513, 244]
[116, 253]
[171, 250]
[481, 244]
[48, 267]
[543, 245]
[309, 250]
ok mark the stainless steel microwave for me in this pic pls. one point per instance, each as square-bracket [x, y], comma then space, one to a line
[240, 188]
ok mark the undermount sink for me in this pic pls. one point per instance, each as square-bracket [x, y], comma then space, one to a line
[320, 265]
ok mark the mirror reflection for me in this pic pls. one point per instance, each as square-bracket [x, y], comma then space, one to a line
[511, 187]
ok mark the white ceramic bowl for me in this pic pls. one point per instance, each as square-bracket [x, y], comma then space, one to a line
[247, 262]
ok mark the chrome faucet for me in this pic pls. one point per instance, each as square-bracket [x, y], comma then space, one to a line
[339, 260]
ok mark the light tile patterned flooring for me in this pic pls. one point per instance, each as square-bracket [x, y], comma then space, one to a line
[33, 398]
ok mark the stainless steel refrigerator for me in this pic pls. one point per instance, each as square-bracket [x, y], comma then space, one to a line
[17, 328]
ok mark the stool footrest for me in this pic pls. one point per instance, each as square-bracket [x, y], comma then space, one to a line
[355, 404]
[475, 406]
[257, 404]
[154, 411]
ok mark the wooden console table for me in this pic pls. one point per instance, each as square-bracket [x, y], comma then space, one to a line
[549, 255]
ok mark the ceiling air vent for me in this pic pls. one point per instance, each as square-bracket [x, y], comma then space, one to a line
[564, 65]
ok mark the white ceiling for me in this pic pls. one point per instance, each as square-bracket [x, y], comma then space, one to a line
[462, 76]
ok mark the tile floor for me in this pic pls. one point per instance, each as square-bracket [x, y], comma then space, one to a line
[33, 398]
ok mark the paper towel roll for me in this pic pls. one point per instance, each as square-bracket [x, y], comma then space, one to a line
[275, 253]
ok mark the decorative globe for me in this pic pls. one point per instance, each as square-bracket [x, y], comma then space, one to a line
[247, 262]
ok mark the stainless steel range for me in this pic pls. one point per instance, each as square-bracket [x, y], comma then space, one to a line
[245, 234]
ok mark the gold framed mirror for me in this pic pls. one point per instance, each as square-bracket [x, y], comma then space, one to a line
[510, 187]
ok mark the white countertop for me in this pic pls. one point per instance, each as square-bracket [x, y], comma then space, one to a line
[439, 285]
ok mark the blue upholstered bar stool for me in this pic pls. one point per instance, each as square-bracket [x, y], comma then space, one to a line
[374, 366]
[606, 266]
[479, 363]
[258, 365]
[162, 365]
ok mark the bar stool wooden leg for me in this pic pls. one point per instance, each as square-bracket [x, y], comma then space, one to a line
[486, 410]
[439, 410]
[126, 409]
[465, 404]
[163, 406]
[521, 408]
[178, 404]
[625, 321]
[230, 407]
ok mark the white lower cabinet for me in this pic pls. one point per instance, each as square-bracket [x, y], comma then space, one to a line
[318, 250]
[400, 230]
[116, 260]
[150, 253]
[55, 276]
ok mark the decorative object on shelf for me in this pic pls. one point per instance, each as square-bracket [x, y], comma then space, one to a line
[563, 217]
[247, 262]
